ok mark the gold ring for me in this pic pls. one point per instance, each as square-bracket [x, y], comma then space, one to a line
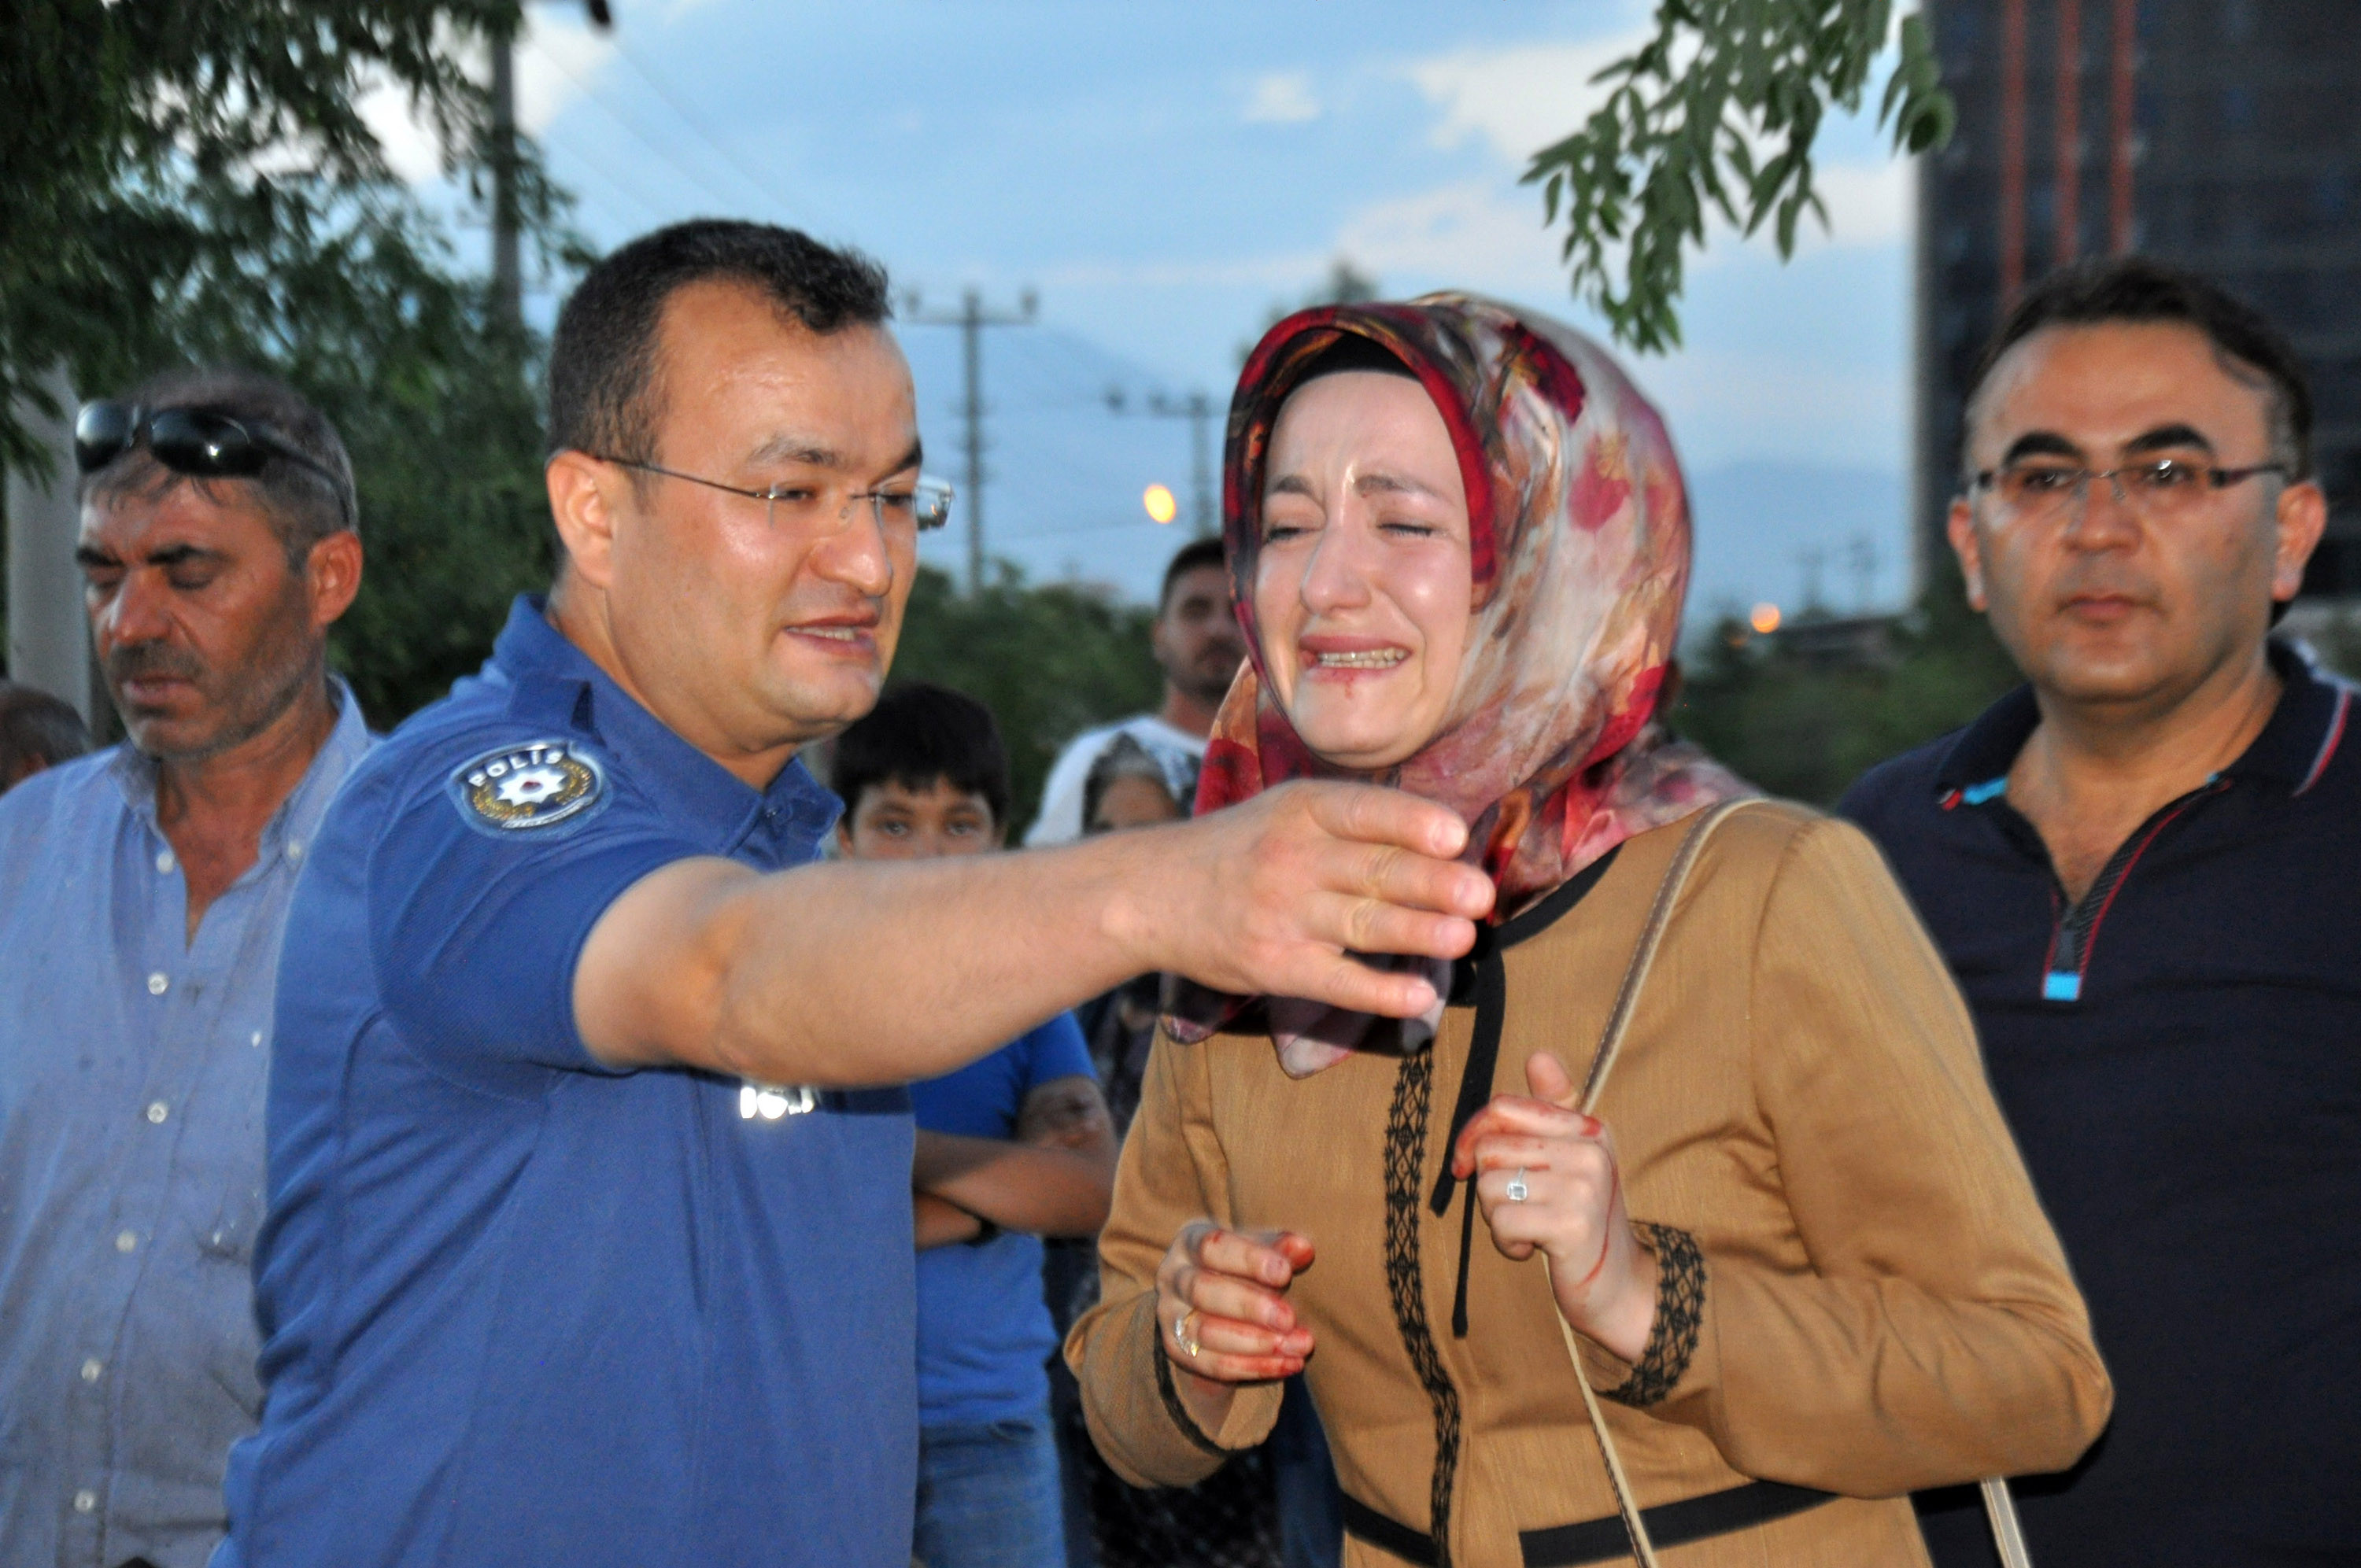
[1180, 1334]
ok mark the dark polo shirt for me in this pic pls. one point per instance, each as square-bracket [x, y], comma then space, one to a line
[2180, 1055]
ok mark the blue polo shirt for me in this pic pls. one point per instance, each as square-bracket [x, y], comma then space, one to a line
[518, 1308]
[2180, 1055]
[984, 1334]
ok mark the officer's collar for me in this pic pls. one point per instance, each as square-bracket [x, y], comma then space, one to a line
[558, 686]
[2303, 733]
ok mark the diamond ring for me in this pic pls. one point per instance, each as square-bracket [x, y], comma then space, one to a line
[1181, 1337]
[1517, 1190]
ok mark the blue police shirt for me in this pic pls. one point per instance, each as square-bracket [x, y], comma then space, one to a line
[2178, 1053]
[517, 1307]
[984, 1334]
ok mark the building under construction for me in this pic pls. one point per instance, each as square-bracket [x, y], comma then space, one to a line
[2217, 135]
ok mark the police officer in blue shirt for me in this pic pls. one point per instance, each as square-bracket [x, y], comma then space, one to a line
[589, 1232]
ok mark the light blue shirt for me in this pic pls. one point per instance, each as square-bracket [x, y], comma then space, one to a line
[132, 1069]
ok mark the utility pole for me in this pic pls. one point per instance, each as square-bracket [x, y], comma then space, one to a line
[508, 268]
[1198, 409]
[971, 318]
[1863, 554]
[508, 272]
[1813, 559]
[48, 637]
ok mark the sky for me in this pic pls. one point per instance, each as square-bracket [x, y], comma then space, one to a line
[1162, 178]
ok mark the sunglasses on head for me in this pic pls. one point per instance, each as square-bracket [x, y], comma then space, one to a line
[196, 441]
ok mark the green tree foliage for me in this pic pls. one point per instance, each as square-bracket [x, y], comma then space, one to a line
[156, 157]
[1717, 113]
[1807, 728]
[1050, 662]
[192, 183]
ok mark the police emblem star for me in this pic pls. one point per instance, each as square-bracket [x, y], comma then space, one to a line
[537, 784]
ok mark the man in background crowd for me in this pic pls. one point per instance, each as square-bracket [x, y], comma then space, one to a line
[36, 731]
[1011, 1149]
[1198, 646]
[143, 892]
[2141, 866]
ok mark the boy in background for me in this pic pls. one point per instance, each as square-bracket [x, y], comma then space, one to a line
[1013, 1147]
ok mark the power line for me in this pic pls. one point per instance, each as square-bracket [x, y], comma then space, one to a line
[698, 126]
[653, 211]
[652, 143]
[1198, 409]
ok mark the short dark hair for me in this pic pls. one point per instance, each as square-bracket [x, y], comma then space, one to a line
[919, 733]
[604, 394]
[1191, 556]
[304, 506]
[36, 731]
[2137, 290]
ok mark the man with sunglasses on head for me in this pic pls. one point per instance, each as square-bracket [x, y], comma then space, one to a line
[143, 895]
[2144, 868]
[590, 1238]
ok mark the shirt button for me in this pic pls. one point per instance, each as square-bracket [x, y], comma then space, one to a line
[125, 1240]
[91, 1367]
[157, 1112]
[257, 1038]
[164, 862]
[294, 851]
[85, 1500]
[157, 982]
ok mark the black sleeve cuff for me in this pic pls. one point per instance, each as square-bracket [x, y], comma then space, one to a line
[1680, 1310]
[1175, 1409]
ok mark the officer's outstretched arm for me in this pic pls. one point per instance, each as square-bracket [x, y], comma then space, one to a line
[872, 972]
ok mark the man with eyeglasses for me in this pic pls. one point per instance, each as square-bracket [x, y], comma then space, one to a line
[590, 1238]
[2145, 870]
[143, 895]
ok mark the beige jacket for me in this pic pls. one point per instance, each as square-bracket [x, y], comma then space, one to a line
[1860, 1293]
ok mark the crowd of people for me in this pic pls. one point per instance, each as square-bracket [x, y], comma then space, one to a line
[570, 1130]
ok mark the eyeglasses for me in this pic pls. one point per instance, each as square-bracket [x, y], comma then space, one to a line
[2160, 489]
[925, 504]
[196, 441]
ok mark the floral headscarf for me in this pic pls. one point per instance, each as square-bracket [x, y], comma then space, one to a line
[1579, 534]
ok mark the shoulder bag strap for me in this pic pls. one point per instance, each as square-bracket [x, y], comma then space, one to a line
[1999, 1506]
[1602, 1061]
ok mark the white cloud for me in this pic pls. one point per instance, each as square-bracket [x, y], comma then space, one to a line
[1480, 234]
[409, 145]
[555, 63]
[1869, 203]
[1281, 99]
[1519, 99]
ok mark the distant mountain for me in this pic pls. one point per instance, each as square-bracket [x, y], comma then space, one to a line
[1066, 475]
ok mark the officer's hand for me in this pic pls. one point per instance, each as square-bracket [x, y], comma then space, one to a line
[1270, 896]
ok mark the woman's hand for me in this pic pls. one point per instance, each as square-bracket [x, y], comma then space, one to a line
[1222, 1313]
[1571, 1209]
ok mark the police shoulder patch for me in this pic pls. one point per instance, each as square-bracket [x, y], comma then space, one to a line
[537, 784]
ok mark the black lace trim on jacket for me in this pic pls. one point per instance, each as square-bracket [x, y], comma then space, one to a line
[1680, 1310]
[1405, 1158]
[1174, 1407]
